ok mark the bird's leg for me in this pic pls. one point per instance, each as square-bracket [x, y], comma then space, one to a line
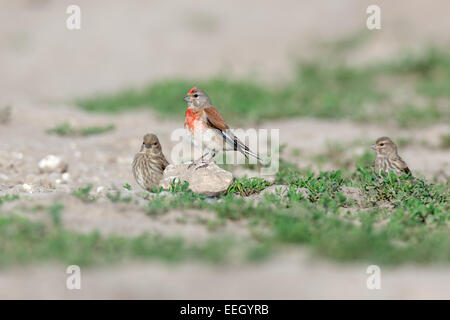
[204, 163]
[196, 162]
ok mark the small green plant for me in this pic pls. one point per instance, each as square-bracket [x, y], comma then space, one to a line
[65, 129]
[178, 186]
[445, 141]
[89, 131]
[55, 211]
[127, 186]
[5, 115]
[8, 198]
[117, 197]
[248, 186]
[84, 194]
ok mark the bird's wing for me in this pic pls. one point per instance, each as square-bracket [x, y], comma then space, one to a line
[402, 164]
[214, 119]
[164, 162]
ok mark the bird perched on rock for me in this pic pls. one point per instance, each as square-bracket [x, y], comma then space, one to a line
[149, 163]
[209, 130]
[387, 158]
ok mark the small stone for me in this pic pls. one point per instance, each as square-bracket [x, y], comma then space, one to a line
[27, 188]
[18, 155]
[210, 181]
[65, 176]
[51, 164]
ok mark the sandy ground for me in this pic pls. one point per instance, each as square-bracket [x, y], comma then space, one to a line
[43, 66]
[290, 276]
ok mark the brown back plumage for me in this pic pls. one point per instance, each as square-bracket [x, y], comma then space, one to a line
[214, 118]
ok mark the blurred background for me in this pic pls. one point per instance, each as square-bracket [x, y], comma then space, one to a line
[133, 43]
[309, 68]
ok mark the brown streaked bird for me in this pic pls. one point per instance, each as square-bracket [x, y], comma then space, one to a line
[149, 163]
[209, 130]
[387, 158]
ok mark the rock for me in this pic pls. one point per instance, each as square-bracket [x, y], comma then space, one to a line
[65, 177]
[27, 188]
[283, 191]
[353, 193]
[51, 164]
[210, 181]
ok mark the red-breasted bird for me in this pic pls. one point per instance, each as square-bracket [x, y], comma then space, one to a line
[209, 130]
[149, 163]
[387, 158]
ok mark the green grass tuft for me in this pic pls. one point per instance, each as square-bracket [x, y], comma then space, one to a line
[84, 194]
[248, 186]
[66, 130]
[400, 219]
[445, 141]
[8, 198]
[23, 241]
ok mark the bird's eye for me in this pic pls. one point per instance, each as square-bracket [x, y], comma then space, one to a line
[381, 144]
[155, 144]
[195, 95]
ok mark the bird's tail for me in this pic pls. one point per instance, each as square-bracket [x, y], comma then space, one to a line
[238, 145]
[248, 152]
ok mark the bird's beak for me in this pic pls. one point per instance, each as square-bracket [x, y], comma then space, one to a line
[148, 145]
[187, 98]
[373, 147]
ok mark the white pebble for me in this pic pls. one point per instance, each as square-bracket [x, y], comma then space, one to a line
[27, 188]
[52, 163]
[18, 155]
